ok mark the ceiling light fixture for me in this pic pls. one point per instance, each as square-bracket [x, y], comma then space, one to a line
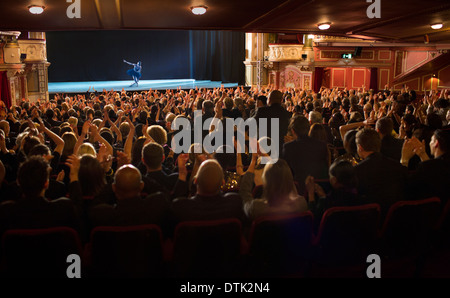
[324, 26]
[437, 26]
[198, 10]
[36, 9]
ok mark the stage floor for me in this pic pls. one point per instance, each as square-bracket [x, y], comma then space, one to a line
[81, 87]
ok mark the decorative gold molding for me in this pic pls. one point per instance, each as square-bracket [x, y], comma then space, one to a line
[35, 50]
[285, 52]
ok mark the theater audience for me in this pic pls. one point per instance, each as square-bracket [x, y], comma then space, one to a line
[274, 110]
[111, 154]
[33, 209]
[280, 195]
[380, 179]
[305, 156]
[432, 175]
[209, 202]
[344, 190]
[390, 146]
[131, 207]
[153, 157]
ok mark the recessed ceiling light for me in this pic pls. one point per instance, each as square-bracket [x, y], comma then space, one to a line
[324, 26]
[437, 26]
[198, 10]
[36, 9]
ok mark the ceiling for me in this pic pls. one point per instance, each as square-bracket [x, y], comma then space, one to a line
[401, 21]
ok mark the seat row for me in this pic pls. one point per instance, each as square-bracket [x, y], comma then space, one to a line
[278, 246]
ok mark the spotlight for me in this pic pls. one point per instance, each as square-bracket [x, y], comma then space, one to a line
[198, 10]
[436, 26]
[36, 9]
[324, 26]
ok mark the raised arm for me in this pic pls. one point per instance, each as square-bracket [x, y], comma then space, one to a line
[128, 62]
[129, 142]
[115, 130]
[55, 138]
[82, 137]
[100, 139]
[344, 128]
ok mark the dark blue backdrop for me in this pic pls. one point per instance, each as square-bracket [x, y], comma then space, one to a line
[98, 55]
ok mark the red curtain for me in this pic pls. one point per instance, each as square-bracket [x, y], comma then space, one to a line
[5, 94]
[318, 77]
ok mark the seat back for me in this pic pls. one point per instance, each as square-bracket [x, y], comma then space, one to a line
[129, 251]
[347, 235]
[207, 248]
[281, 244]
[443, 227]
[39, 252]
[408, 226]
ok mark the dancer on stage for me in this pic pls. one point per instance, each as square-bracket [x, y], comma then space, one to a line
[135, 72]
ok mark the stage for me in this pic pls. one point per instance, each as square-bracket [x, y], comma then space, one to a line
[82, 87]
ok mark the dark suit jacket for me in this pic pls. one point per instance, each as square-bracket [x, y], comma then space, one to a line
[271, 112]
[432, 178]
[168, 181]
[392, 147]
[153, 209]
[38, 212]
[160, 181]
[200, 207]
[233, 113]
[306, 156]
[381, 180]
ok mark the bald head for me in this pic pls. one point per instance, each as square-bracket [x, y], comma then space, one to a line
[127, 182]
[275, 97]
[209, 178]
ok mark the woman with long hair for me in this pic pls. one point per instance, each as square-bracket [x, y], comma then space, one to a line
[279, 191]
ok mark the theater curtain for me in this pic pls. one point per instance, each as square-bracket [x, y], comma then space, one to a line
[5, 94]
[374, 79]
[217, 56]
[98, 56]
[318, 77]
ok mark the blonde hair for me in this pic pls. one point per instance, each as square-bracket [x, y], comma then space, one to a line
[158, 134]
[73, 121]
[97, 122]
[278, 182]
[86, 148]
[70, 140]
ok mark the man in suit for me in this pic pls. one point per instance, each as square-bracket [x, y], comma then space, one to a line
[390, 146]
[208, 203]
[380, 179]
[432, 175]
[306, 156]
[131, 207]
[156, 179]
[274, 110]
[33, 210]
